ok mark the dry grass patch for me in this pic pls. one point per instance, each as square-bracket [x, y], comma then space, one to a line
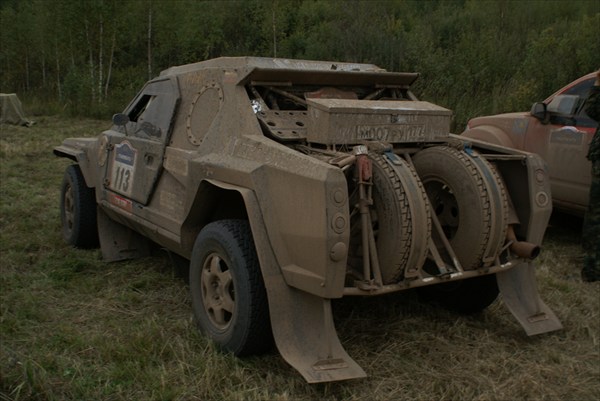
[75, 328]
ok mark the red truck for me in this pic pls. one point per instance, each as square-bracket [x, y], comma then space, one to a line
[557, 129]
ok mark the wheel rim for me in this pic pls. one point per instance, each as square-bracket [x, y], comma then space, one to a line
[69, 209]
[445, 206]
[218, 296]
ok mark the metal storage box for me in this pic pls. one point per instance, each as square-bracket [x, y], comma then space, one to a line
[348, 121]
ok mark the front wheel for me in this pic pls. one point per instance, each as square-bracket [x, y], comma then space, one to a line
[229, 299]
[78, 210]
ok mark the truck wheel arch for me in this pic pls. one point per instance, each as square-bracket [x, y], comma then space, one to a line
[79, 157]
[214, 200]
[489, 134]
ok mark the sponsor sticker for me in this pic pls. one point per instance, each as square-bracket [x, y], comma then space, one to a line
[567, 135]
[120, 202]
[520, 126]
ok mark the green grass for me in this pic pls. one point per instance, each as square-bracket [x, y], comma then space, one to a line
[75, 328]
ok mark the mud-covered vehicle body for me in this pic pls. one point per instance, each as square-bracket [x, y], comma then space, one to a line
[290, 183]
[559, 130]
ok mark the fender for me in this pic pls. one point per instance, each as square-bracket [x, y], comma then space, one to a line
[311, 251]
[302, 323]
[77, 149]
[491, 134]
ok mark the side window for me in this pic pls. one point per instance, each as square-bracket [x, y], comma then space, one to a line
[583, 91]
[564, 104]
[152, 112]
[140, 108]
[569, 105]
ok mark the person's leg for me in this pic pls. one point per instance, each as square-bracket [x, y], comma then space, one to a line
[591, 234]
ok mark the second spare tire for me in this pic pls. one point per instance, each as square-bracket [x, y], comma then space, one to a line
[469, 201]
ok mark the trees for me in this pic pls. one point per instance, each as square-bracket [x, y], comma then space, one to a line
[476, 57]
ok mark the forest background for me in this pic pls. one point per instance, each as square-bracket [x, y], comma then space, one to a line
[89, 58]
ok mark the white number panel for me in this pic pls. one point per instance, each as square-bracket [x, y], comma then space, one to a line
[123, 168]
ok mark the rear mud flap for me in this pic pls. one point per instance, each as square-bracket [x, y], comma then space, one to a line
[519, 292]
[305, 335]
[302, 323]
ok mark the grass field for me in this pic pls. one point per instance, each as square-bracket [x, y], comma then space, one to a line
[75, 328]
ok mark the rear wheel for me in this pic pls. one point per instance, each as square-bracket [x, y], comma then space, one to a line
[229, 299]
[78, 210]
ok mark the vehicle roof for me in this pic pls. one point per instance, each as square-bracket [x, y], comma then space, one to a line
[298, 71]
[270, 63]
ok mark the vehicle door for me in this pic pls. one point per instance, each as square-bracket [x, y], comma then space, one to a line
[564, 141]
[136, 149]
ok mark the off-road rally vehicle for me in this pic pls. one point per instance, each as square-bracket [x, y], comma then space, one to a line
[289, 183]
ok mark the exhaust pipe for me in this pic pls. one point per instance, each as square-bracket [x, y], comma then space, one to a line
[522, 249]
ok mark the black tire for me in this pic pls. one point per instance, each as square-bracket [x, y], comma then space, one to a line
[466, 296]
[229, 299]
[400, 220]
[78, 210]
[420, 216]
[499, 205]
[469, 201]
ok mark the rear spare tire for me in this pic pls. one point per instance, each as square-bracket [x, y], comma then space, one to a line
[400, 219]
[468, 199]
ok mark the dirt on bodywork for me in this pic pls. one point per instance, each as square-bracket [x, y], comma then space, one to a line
[289, 183]
[557, 129]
